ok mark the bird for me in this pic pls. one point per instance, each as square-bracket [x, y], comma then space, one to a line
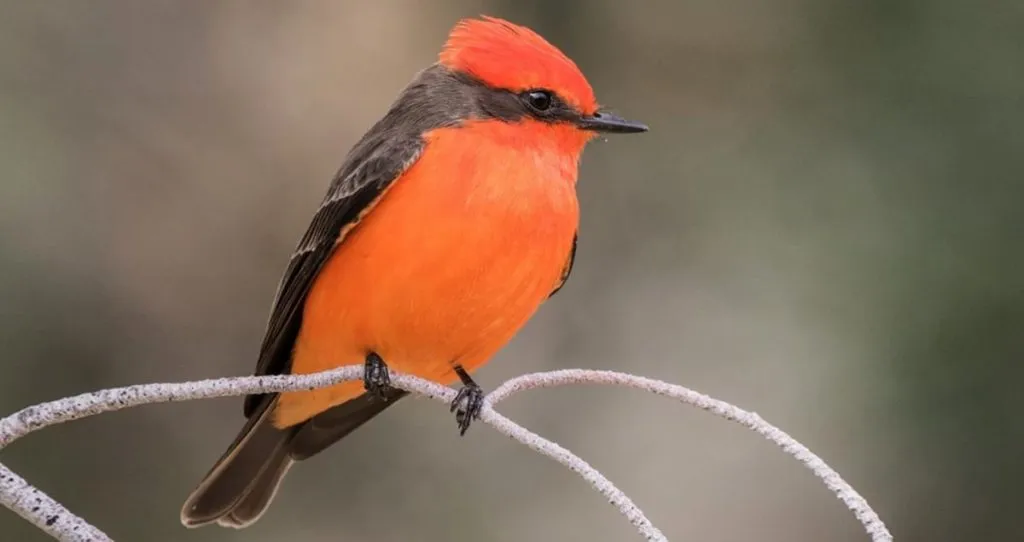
[447, 225]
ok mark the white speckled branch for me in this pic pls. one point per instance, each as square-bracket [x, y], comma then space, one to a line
[50, 516]
[57, 521]
[873, 524]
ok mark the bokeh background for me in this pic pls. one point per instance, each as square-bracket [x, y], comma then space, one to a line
[824, 225]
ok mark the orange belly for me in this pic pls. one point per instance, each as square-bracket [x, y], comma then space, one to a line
[449, 265]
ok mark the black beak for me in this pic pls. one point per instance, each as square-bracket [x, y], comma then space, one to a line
[606, 122]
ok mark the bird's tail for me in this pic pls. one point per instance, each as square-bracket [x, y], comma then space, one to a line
[243, 481]
[240, 486]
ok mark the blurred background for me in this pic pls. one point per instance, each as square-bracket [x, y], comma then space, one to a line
[824, 225]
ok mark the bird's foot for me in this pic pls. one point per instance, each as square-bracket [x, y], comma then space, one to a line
[376, 378]
[468, 402]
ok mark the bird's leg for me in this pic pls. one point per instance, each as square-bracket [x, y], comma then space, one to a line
[467, 402]
[376, 378]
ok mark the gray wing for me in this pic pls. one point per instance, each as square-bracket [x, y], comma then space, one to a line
[351, 194]
[381, 156]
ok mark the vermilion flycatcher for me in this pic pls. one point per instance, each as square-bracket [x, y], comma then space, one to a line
[447, 226]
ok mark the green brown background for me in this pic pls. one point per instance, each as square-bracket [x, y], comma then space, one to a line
[824, 225]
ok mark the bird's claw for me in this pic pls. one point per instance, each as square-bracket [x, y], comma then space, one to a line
[467, 406]
[376, 377]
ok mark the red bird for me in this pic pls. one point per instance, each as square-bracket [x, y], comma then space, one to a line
[447, 226]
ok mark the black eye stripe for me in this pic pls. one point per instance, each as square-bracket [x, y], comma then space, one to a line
[512, 105]
[546, 105]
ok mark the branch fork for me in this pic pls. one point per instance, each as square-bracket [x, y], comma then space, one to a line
[54, 519]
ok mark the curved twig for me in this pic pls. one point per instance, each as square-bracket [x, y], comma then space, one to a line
[50, 516]
[873, 524]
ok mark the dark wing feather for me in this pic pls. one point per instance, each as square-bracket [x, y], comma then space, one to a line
[434, 99]
[352, 194]
[568, 267]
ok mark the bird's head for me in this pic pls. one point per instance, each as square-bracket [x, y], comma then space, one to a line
[528, 80]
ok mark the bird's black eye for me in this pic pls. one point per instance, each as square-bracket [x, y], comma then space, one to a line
[538, 100]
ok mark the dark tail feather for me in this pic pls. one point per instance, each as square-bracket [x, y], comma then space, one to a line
[243, 482]
[335, 423]
[259, 452]
[262, 491]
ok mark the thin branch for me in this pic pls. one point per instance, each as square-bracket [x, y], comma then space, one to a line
[597, 480]
[44, 512]
[54, 519]
[60, 523]
[42, 415]
[873, 524]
